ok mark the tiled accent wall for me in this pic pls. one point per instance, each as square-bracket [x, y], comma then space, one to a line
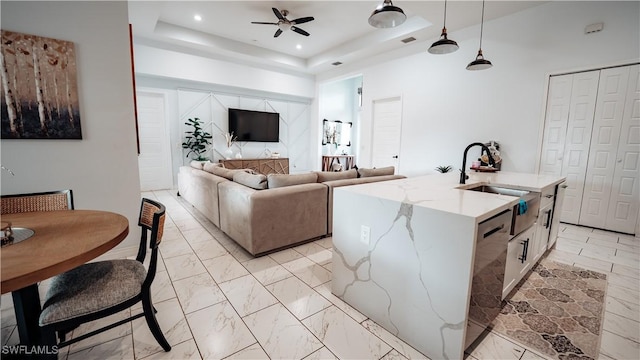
[212, 108]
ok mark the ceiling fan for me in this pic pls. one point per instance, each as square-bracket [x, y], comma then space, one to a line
[284, 24]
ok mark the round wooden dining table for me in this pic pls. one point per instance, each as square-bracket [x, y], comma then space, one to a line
[61, 241]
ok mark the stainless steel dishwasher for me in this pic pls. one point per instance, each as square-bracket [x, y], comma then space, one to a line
[490, 258]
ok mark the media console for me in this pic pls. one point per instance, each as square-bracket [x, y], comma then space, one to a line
[262, 166]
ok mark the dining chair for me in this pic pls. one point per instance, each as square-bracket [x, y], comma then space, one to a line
[95, 290]
[43, 201]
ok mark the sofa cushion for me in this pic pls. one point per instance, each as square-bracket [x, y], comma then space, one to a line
[389, 170]
[336, 175]
[281, 180]
[254, 181]
[196, 164]
[227, 173]
[208, 166]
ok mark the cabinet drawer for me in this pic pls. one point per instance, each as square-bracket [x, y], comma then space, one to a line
[548, 195]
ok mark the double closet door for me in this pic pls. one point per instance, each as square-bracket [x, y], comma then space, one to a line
[592, 136]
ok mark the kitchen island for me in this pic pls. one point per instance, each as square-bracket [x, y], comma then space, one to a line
[404, 252]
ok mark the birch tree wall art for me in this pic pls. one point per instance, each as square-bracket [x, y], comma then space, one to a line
[39, 88]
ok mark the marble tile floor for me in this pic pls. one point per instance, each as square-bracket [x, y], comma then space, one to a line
[215, 301]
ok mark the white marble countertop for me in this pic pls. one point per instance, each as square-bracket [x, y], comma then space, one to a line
[443, 192]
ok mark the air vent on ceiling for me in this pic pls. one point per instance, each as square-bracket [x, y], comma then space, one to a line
[593, 28]
[336, 63]
[408, 40]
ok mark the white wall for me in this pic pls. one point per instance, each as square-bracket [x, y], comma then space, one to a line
[446, 107]
[102, 168]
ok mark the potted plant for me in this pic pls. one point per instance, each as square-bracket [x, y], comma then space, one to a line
[444, 169]
[197, 140]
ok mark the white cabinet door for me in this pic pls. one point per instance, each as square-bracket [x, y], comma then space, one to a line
[555, 124]
[543, 224]
[576, 151]
[604, 146]
[519, 259]
[555, 217]
[622, 213]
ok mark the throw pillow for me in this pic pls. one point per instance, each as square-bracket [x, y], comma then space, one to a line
[389, 170]
[281, 180]
[336, 175]
[208, 167]
[196, 164]
[228, 173]
[254, 181]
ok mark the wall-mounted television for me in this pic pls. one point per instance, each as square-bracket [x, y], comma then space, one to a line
[250, 125]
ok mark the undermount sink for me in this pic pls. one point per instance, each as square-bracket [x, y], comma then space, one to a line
[499, 190]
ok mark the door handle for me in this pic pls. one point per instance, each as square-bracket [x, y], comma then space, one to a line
[395, 156]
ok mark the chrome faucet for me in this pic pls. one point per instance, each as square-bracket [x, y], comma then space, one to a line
[463, 175]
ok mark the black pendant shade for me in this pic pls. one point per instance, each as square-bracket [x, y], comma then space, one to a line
[444, 45]
[387, 16]
[480, 63]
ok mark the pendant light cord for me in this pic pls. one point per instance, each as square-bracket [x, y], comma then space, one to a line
[444, 23]
[481, 24]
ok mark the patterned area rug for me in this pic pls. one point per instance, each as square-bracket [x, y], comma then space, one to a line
[557, 310]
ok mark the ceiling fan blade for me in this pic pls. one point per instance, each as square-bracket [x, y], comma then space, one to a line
[278, 14]
[278, 32]
[299, 31]
[265, 23]
[302, 20]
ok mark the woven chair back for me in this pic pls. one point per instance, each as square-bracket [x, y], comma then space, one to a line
[152, 216]
[47, 201]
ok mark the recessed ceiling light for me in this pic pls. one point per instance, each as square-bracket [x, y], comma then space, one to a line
[197, 17]
[298, 46]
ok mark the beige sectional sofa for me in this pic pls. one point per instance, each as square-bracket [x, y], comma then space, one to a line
[266, 213]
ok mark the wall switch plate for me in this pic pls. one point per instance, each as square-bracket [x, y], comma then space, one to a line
[365, 234]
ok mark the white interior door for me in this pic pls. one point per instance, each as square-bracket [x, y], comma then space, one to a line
[624, 201]
[555, 124]
[155, 155]
[575, 159]
[604, 146]
[387, 129]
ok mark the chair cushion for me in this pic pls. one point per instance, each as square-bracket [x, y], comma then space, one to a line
[389, 170]
[254, 181]
[282, 180]
[336, 175]
[196, 164]
[90, 288]
[208, 166]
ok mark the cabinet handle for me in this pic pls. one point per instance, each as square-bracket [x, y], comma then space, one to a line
[549, 196]
[491, 232]
[395, 156]
[525, 250]
[564, 186]
[546, 225]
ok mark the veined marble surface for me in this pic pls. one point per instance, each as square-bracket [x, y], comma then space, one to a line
[413, 275]
[444, 193]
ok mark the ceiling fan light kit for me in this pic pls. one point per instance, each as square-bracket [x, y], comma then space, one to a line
[444, 45]
[387, 16]
[285, 24]
[480, 63]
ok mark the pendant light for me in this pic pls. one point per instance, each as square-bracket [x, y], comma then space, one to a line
[387, 16]
[480, 63]
[444, 45]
